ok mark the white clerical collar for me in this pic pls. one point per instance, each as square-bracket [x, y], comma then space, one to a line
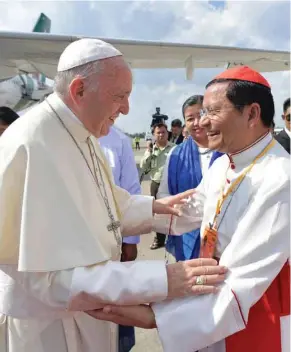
[248, 154]
[71, 121]
[203, 149]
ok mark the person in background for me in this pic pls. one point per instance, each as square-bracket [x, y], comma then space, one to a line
[137, 141]
[153, 163]
[185, 133]
[118, 151]
[7, 117]
[175, 135]
[284, 136]
[119, 154]
[185, 166]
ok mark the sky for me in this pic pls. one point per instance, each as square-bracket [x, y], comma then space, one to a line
[250, 24]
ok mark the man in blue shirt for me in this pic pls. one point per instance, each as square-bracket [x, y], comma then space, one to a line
[118, 151]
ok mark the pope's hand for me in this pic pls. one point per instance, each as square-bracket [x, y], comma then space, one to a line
[140, 316]
[167, 205]
[182, 277]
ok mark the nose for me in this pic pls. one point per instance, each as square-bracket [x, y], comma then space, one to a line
[204, 121]
[124, 107]
[196, 121]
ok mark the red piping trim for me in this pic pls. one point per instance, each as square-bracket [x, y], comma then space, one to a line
[239, 307]
[250, 146]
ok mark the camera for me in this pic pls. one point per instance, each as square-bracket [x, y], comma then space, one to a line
[157, 117]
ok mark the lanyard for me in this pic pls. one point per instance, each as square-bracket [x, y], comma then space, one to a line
[238, 181]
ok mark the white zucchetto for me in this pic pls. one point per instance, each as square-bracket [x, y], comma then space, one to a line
[85, 50]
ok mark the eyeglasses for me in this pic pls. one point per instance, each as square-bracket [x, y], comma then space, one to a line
[287, 117]
[215, 112]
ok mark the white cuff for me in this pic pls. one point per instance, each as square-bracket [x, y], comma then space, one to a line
[161, 223]
[129, 283]
[138, 217]
[203, 321]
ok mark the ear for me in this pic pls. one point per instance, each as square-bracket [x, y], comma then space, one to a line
[254, 114]
[77, 90]
[283, 117]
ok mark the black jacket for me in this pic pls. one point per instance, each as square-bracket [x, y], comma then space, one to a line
[178, 141]
[284, 140]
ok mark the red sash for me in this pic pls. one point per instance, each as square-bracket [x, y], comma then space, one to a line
[263, 331]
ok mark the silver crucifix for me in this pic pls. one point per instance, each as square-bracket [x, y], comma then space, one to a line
[113, 226]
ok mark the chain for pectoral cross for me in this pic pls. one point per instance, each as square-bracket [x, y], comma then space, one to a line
[114, 224]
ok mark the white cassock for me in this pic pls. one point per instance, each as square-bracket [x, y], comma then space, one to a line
[253, 243]
[57, 257]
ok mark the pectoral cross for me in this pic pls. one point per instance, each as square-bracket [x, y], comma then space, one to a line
[113, 226]
[97, 174]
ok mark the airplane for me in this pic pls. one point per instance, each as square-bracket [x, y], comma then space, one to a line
[24, 54]
[24, 90]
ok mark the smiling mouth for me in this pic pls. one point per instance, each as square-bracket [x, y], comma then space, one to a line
[212, 134]
[115, 115]
[113, 118]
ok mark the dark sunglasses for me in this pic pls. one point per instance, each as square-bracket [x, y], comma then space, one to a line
[287, 117]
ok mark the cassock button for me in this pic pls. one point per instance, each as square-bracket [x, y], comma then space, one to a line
[232, 166]
[227, 180]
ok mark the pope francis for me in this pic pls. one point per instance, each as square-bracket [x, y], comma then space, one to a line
[62, 217]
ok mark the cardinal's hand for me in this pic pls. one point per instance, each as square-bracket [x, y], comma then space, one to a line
[170, 205]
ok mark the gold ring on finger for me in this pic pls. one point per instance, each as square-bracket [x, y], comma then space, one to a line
[199, 280]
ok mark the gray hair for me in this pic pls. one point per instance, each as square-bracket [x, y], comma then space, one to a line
[63, 79]
[86, 71]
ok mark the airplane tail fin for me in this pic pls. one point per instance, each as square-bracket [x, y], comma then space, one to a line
[43, 25]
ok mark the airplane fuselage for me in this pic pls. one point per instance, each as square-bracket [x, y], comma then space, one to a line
[21, 92]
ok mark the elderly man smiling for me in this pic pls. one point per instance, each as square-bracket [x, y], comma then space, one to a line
[62, 217]
[244, 200]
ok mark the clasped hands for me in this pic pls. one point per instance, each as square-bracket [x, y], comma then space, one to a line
[182, 278]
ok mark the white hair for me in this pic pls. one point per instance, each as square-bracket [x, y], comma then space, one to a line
[63, 79]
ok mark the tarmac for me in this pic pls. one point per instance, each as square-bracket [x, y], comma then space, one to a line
[147, 340]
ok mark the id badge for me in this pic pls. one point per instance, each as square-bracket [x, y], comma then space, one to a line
[208, 243]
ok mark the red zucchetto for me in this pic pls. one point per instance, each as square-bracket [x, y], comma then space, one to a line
[243, 73]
